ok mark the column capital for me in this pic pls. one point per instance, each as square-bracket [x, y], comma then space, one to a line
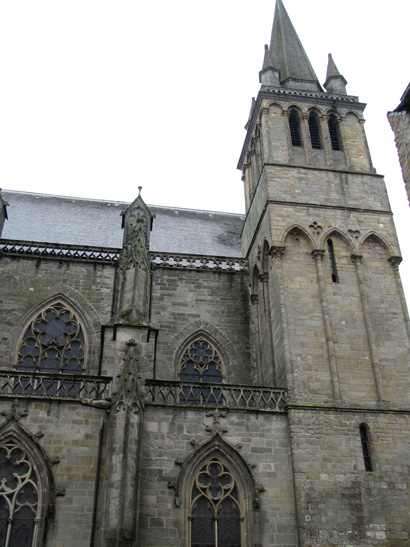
[318, 254]
[254, 298]
[277, 252]
[356, 258]
[395, 260]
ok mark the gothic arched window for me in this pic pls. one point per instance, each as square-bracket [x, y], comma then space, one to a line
[332, 260]
[215, 515]
[334, 132]
[20, 507]
[53, 342]
[201, 363]
[314, 131]
[364, 437]
[294, 129]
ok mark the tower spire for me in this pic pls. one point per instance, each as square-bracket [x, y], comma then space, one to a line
[288, 56]
[335, 82]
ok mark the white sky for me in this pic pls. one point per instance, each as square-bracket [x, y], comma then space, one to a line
[99, 97]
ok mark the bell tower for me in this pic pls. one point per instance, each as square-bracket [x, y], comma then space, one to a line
[326, 296]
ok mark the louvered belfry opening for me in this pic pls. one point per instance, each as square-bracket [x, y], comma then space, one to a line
[314, 132]
[334, 132]
[294, 128]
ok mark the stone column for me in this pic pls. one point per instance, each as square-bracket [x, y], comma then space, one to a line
[266, 147]
[277, 253]
[246, 184]
[395, 261]
[305, 134]
[344, 142]
[318, 256]
[269, 374]
[124, 442]
[258, 349]
[327, 145]
[252, 162]
[357, 259]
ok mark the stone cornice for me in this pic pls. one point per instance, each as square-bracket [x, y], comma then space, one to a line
[102, 255]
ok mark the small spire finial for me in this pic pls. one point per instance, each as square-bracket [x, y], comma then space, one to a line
[335, 82]
[139, 190]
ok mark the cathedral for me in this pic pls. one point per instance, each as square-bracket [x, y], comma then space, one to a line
[185, 378]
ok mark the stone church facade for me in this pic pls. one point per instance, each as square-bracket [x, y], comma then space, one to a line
[183, 378]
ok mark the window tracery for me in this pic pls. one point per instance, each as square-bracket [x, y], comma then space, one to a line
[53, 342]
[19, 497]
[215, 514]
[201, 362]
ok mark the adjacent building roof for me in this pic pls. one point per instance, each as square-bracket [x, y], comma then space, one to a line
[97, 223]
[404, 101]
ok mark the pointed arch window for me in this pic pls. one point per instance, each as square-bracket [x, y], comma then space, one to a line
[364, 437]
[215, 514]
[294, 128]
[332, 260]
[314, 132]
[20, 507]
[334, 132]
[201, 363]
[53, 342]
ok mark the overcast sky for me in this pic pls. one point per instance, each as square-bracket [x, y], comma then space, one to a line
[100, 97]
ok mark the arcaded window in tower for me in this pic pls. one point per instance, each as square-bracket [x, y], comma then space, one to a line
[364, 437]
[334, 132]
[53, 342]
[314, 131]
[332, 260]
[294, 128]
[215, 516]
[20, 506]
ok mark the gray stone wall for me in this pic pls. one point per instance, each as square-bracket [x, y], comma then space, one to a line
[187, 302]
[30, 283]
[170, 438]
[338, 502]
[69, 436]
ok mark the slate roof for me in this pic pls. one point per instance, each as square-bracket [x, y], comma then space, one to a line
[97, 223]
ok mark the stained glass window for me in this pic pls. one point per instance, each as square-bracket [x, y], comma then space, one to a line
[215, 513]
[201, 363]
[53, 342]
[19, 498]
